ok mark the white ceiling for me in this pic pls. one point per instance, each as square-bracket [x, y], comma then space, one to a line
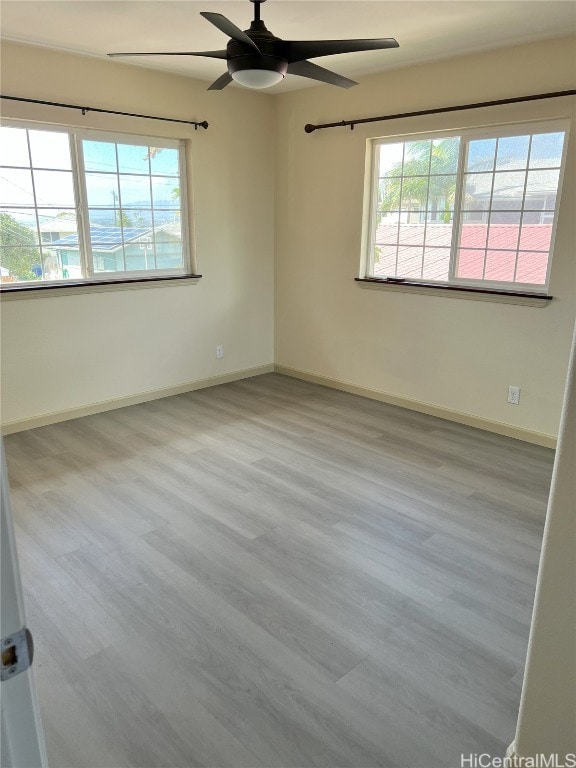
[425, 29]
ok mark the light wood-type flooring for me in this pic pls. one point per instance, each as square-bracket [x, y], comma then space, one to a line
[272, 573]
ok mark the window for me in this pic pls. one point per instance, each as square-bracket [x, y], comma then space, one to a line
[469, 208]
[87, 206]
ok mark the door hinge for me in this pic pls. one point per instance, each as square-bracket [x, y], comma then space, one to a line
[17, 653]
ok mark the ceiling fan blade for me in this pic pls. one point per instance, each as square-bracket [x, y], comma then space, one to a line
[222, 82]
[226, 26]
[314, 72]
[298, 50]
[209, 54]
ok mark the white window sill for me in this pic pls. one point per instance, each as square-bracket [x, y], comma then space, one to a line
[457, 292]
[96, 286]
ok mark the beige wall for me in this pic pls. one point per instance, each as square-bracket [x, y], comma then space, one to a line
[67, 352]
[459, 355]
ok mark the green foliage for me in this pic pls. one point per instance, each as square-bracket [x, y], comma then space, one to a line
[22, 253]
[122, 219]
[410, 180]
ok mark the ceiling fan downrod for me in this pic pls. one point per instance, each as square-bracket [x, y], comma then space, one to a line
[257, 4]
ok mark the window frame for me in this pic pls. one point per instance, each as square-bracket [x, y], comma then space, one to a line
[90, 277]
[465, 135]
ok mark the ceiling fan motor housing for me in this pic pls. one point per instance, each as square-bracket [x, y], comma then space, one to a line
[241, 57]
[249, 61]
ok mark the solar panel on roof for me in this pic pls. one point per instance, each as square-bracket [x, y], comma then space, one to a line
[105, 238]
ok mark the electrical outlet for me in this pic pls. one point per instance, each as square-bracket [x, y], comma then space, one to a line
[514, 395]
[220, 351]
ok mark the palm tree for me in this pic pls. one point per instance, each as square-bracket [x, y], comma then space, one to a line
[426, 177]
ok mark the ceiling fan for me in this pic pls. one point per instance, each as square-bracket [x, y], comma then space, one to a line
[258, 59]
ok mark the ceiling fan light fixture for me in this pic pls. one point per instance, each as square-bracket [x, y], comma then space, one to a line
[257, 78]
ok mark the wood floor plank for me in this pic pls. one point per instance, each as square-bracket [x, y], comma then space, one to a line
[273, 574]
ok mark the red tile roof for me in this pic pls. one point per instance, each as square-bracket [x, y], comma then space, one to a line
[488, 253]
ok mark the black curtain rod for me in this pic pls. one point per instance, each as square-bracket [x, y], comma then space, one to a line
[84, 110]
[309, 128]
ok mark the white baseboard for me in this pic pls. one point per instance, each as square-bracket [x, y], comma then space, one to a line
[500, 428]
[44, 419]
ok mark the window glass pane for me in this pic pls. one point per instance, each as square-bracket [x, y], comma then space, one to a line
[21, 263]
[104, 217]
[438, 216]
[135, 191]
[50, 150]
[54, 188]
[470, 264]
[481, 155]
[389, 194]
[385, 260]
[546, 150]
[16, 187]
[18, 226]
[477, 189]
[56, 224]
[411, 234]
[473, 234]
[512, 152]
[509, 189]
[500, 265]
[436, 263]
[14, 147]
[442, 192]
[166, 192]
[133, 159]
[387, 232]
[53, 267]
[543, 202]
[142, 218]
[108, 257]
[535, 237]
[140, 260]
[410, 261]
[168, 241]
[140, 251]
[414, 192]
[417, 158]
[391, 156]
[439, 234]
[532, 267]
[70, 262]
[102, 190]
[504, 235]
[165, 161]
[542, 185]
[99, 156]
[445, 155]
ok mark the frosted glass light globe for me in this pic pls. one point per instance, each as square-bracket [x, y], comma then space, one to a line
[257, 78]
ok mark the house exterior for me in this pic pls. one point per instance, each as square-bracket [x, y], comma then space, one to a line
[57, 228]
[124, 249]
